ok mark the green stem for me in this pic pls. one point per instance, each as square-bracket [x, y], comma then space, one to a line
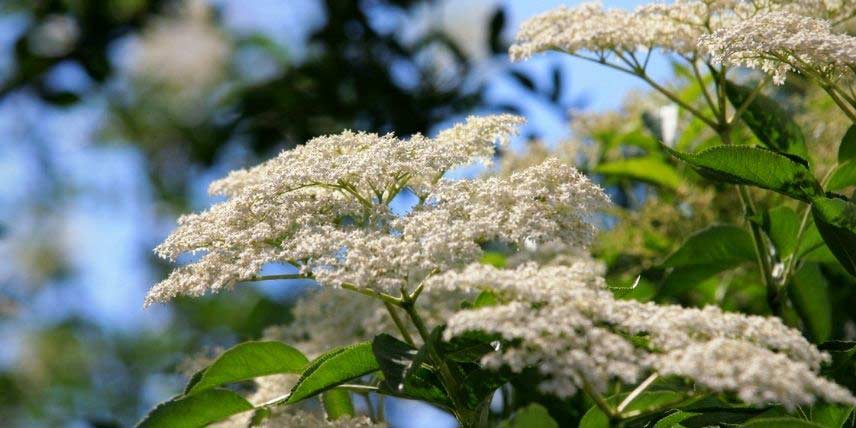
[600, 402]
[399, 324]
[635, 393]
[361, 389]
[792, 261]
[374, 294]
[466, 417]
[774, 295]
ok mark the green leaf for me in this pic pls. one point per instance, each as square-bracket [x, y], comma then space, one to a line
[493, 258]
[843, 176]
[688, 277]
[649, 169]
[485, 298]
[830, 415]
[406, 373]
[722, 246]
[196, 410]
[782, 224]
[719, 417]
[337, 403]
[246, 361]
[674, 420]
[809, 291]
[843, 366]
[595, 418]
[638, 138]
[836, 222]
[780, 422]
[531, 416]
[812, 248]
[847, 148]
[334, 368]
[754, 166]
[768, 121]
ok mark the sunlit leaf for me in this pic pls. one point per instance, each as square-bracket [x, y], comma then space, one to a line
[595, 418]
[723, 246]
[334, 368]
[843, 176]
[246, 361]
[754, 166]
[196, 410]
[649, 169]
[531, 416]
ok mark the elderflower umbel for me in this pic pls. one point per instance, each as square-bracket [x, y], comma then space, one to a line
[780, 42]
[675, 27]
[324, 208]
[563, 321]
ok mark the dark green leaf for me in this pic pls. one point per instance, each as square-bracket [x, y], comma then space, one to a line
[531, 416]
[595, 418]
[481, 384]
[406, 373]
[722, 246]
[843, 366]
[394, 357]
[768, 121]
[843, 176]
[714, 417]
[334, 368]
[847, 148]
[649, 169]
[809, 291]
[674, 420]
[246, 361]
[780, 422]
[337, 403]
[754, 166]
[196, 410]
[836, 222]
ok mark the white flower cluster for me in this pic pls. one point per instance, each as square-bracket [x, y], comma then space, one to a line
[675, 27]
[562, 320]
[779, 42]
[325, 208]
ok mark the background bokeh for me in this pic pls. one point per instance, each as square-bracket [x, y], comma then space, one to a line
[116, 114]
